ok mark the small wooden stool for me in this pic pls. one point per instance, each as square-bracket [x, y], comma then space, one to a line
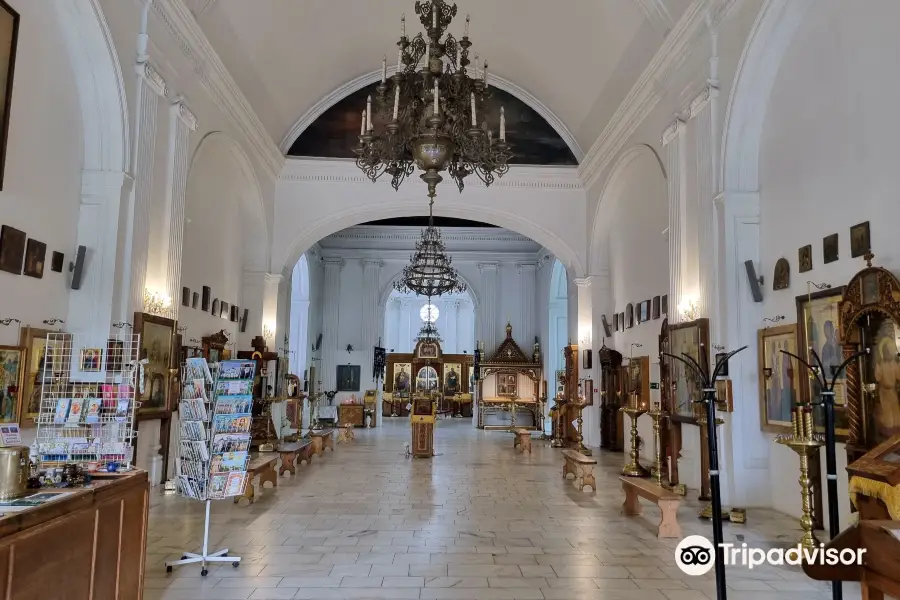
[262, 465]
[581, 467]
[345, 434]
[667, 501]
[321, 440]
[523, 440]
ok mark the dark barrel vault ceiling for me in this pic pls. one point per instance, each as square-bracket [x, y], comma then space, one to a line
[534, 142]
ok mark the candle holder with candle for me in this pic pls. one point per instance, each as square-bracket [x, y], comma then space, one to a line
[634, 410]
[657, 414]
[806, 443]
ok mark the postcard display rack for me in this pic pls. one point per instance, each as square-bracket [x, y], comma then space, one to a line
[214, 442]
[87, 408]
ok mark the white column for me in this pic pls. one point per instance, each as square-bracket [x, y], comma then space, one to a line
[150, 86]
[490, 330]
[673, 140]
[371, 276]
[528, 327]
[406, 333]
[182, 123]
[571, 309]
[331, 322]
[451, 321]
[91, 309]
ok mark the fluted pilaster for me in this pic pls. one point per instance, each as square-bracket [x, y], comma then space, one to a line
[490, 289]
[703, 111]
[150, 86]
[673, 141]
[371, 276]
[528, 325]
[331, 321]
[450, 330]
[182, 123]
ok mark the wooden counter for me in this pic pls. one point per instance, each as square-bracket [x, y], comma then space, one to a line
[90, 545]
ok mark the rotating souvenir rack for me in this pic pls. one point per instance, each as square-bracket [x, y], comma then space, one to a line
[87, 402]
[214, 441]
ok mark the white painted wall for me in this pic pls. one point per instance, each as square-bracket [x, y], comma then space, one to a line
[455, 322]
[42, 176]
[827, 162]
[634, 214]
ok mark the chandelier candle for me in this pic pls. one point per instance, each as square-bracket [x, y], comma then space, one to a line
[474, 119]
[396, 103]
[369, 114]
[384, 69]
[362, 125]
[437, 95]
[466, 32]
[502, 124]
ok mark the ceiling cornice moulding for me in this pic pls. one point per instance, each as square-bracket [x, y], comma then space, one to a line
[647, 91]
[209, 69]
[321, 170]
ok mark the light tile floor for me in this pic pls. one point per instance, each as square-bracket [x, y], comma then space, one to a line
[478, 521]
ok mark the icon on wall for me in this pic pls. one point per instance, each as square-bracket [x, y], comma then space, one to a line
[805, 258]
[830, 248]
[860, 243]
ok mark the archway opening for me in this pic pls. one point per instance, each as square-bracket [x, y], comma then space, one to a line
[558, 308]
[298, 334]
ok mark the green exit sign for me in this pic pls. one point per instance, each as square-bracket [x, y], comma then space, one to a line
[654, 385]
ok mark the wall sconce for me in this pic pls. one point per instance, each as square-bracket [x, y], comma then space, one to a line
[6, 322]
[631, 352]
[268, 332]
[195, 341]
[52, 322]
[181, 330]
[156, 303]
[349, 348]
[122, 325]
[689, 309]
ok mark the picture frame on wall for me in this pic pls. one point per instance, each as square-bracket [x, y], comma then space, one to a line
[35, 343]
[607, 331]
[195, 300]
[629, 316]
[664, 305]
[12, 249]
[244, 319]
[830, 248]
[804, 256]
[223, 310]
[860, 241]
[185, 296]
[587, 359]
[654, 310]
[156, 337]
[214, 311]
[207, 293]
[616, 321]
[348, 378]
[644, 311]
[779, 384]
[35, 255]
[622, 320]
[819, 327]
[9, 37]
[12, 378]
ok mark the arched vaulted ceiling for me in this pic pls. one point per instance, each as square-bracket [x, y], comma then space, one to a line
[286, 55]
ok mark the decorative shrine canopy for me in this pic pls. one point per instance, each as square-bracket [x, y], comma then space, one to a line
[509, 357]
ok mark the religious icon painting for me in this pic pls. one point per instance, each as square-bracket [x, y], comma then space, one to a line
[185, 296]
[860, 243]
[664, 305]
[195, 300]
[91, 359]
[204, 306]
[782, 278]
[655, 308]
[804, 256]
[12, 374]
[629, 316]
[35, 255]
[830, 250]
[616, 321]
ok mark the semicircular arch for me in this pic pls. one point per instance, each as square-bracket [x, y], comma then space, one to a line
[367, 79]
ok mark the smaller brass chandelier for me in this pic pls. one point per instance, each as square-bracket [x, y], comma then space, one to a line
[430, 272]
[428, 333]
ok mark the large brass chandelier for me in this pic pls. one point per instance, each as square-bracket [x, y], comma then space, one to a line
[432, 110]
[430, 271]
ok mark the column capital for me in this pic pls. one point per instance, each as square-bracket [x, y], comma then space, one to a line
[584, 282]
[700, 100]
[273, 278]
[488, 267]
[184, 114]
[152, 77]
[674, 129]
[333, 263]
[452, 303]
[526, 267]
[372, 263]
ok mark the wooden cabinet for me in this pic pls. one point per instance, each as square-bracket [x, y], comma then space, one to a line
[611, 426]
[351, 414]
[91, 545]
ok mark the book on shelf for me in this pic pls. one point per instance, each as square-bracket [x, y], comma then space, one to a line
[62, 410]
[92, 414]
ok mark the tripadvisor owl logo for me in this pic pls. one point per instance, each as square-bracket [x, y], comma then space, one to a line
[696, 555]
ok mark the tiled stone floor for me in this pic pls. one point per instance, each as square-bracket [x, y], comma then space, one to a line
[478, 521]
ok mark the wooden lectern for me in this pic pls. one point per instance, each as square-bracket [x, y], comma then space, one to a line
[422, 418]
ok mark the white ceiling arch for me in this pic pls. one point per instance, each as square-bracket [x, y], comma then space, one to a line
[348, 88]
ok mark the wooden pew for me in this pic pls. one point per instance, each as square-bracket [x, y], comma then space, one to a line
[581, 467]
[289, 452]
[523, 440]
[668, 503]
[263, 466]
[321, 440]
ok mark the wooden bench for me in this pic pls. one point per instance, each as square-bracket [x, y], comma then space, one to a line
[262, 465]
[289, 453]
[321, 440]
[667, 501]
[523, 440]
[581, 467]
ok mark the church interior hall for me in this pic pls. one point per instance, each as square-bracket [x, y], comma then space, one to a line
[449, 299]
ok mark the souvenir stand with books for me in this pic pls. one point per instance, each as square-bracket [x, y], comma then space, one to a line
[214, 442]
[88, 403]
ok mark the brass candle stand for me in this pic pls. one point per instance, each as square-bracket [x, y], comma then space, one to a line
[805, 443]
[634, 468]
[656, 471]
[557, 436]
